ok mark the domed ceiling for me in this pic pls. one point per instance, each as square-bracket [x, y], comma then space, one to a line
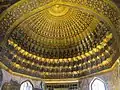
[59, 39]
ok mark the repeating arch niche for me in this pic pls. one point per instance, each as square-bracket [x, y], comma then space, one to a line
[97, 84]
[26, 85]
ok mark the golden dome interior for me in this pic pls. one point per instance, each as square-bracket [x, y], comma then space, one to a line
[59, 39]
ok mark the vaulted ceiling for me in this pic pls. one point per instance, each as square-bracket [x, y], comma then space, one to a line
[59, 39]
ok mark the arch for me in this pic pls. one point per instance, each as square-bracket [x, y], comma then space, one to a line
[97, 84]
[26, 85]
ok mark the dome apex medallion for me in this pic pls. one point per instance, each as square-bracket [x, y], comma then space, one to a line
[58, 10]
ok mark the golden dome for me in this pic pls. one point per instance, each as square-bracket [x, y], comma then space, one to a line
[59, 39]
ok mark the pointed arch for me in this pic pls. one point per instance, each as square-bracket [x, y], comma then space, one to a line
[26, 85]
[97, 84]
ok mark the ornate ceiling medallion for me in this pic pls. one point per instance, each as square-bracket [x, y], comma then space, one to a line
[58, 10]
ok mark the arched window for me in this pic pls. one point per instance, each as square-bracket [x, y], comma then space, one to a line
[97, 84]
[27, 85]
